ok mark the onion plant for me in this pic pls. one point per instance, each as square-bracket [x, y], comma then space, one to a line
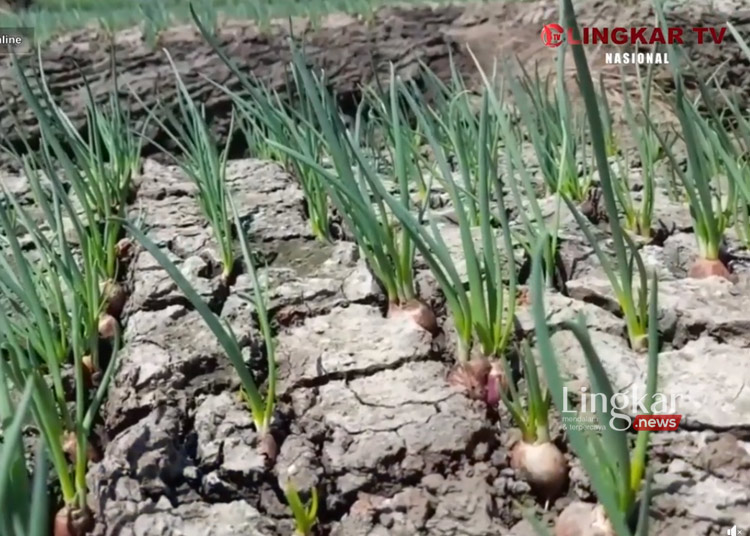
[389, 250]
[638, 216]
[516, 177]
[633, 301]
[556, 132]
[205, 165]
[616, 473]
[261, 406]
[456, 105]
[483, 312]
[99, 167]
[305, 514]
[708, 147]
[711, 211]
[24, 501]
[268, 117]
[535, 456]
[80, 196]
[56, 292]
[265, 116]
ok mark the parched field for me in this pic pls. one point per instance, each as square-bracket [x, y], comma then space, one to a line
[333, 257]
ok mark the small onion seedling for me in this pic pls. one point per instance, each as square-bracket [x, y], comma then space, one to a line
[305, 514]
[632, 298]
[266, 117]
[261, 407]
[389, 250]
[205, 165]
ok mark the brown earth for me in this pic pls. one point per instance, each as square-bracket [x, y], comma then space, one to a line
[349, 48]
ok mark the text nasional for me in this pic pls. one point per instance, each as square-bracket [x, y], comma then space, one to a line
[644, 36]
[640, 58]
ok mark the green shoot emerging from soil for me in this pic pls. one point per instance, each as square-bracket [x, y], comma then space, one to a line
[389, 250]
[261, 408]
[627, 259]
[267, 121]
[305, 515]
[616, 475]
[205, 164]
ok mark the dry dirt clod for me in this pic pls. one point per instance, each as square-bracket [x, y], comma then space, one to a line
[70, 448]
[703, 268]
[591, 208]
[542, 466]
[583, 519]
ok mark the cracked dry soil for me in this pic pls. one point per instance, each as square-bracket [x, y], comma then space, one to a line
[365, 412]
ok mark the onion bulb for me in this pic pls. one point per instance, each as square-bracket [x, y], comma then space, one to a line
[419, 312]
[703, 268]
[268, 448]
[472, 376]
[496, 383]
[542, 466]
[107, 326]
[62, 523]
[87, 363]
[123, 249]
[114, 296]
[72, 522]
[583, 519]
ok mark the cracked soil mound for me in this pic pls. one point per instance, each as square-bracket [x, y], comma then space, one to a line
[365, 413]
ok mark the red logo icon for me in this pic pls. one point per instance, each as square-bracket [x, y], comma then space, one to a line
[552, 35]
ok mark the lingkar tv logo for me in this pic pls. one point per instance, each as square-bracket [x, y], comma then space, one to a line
[658, 416]
[553, 35]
